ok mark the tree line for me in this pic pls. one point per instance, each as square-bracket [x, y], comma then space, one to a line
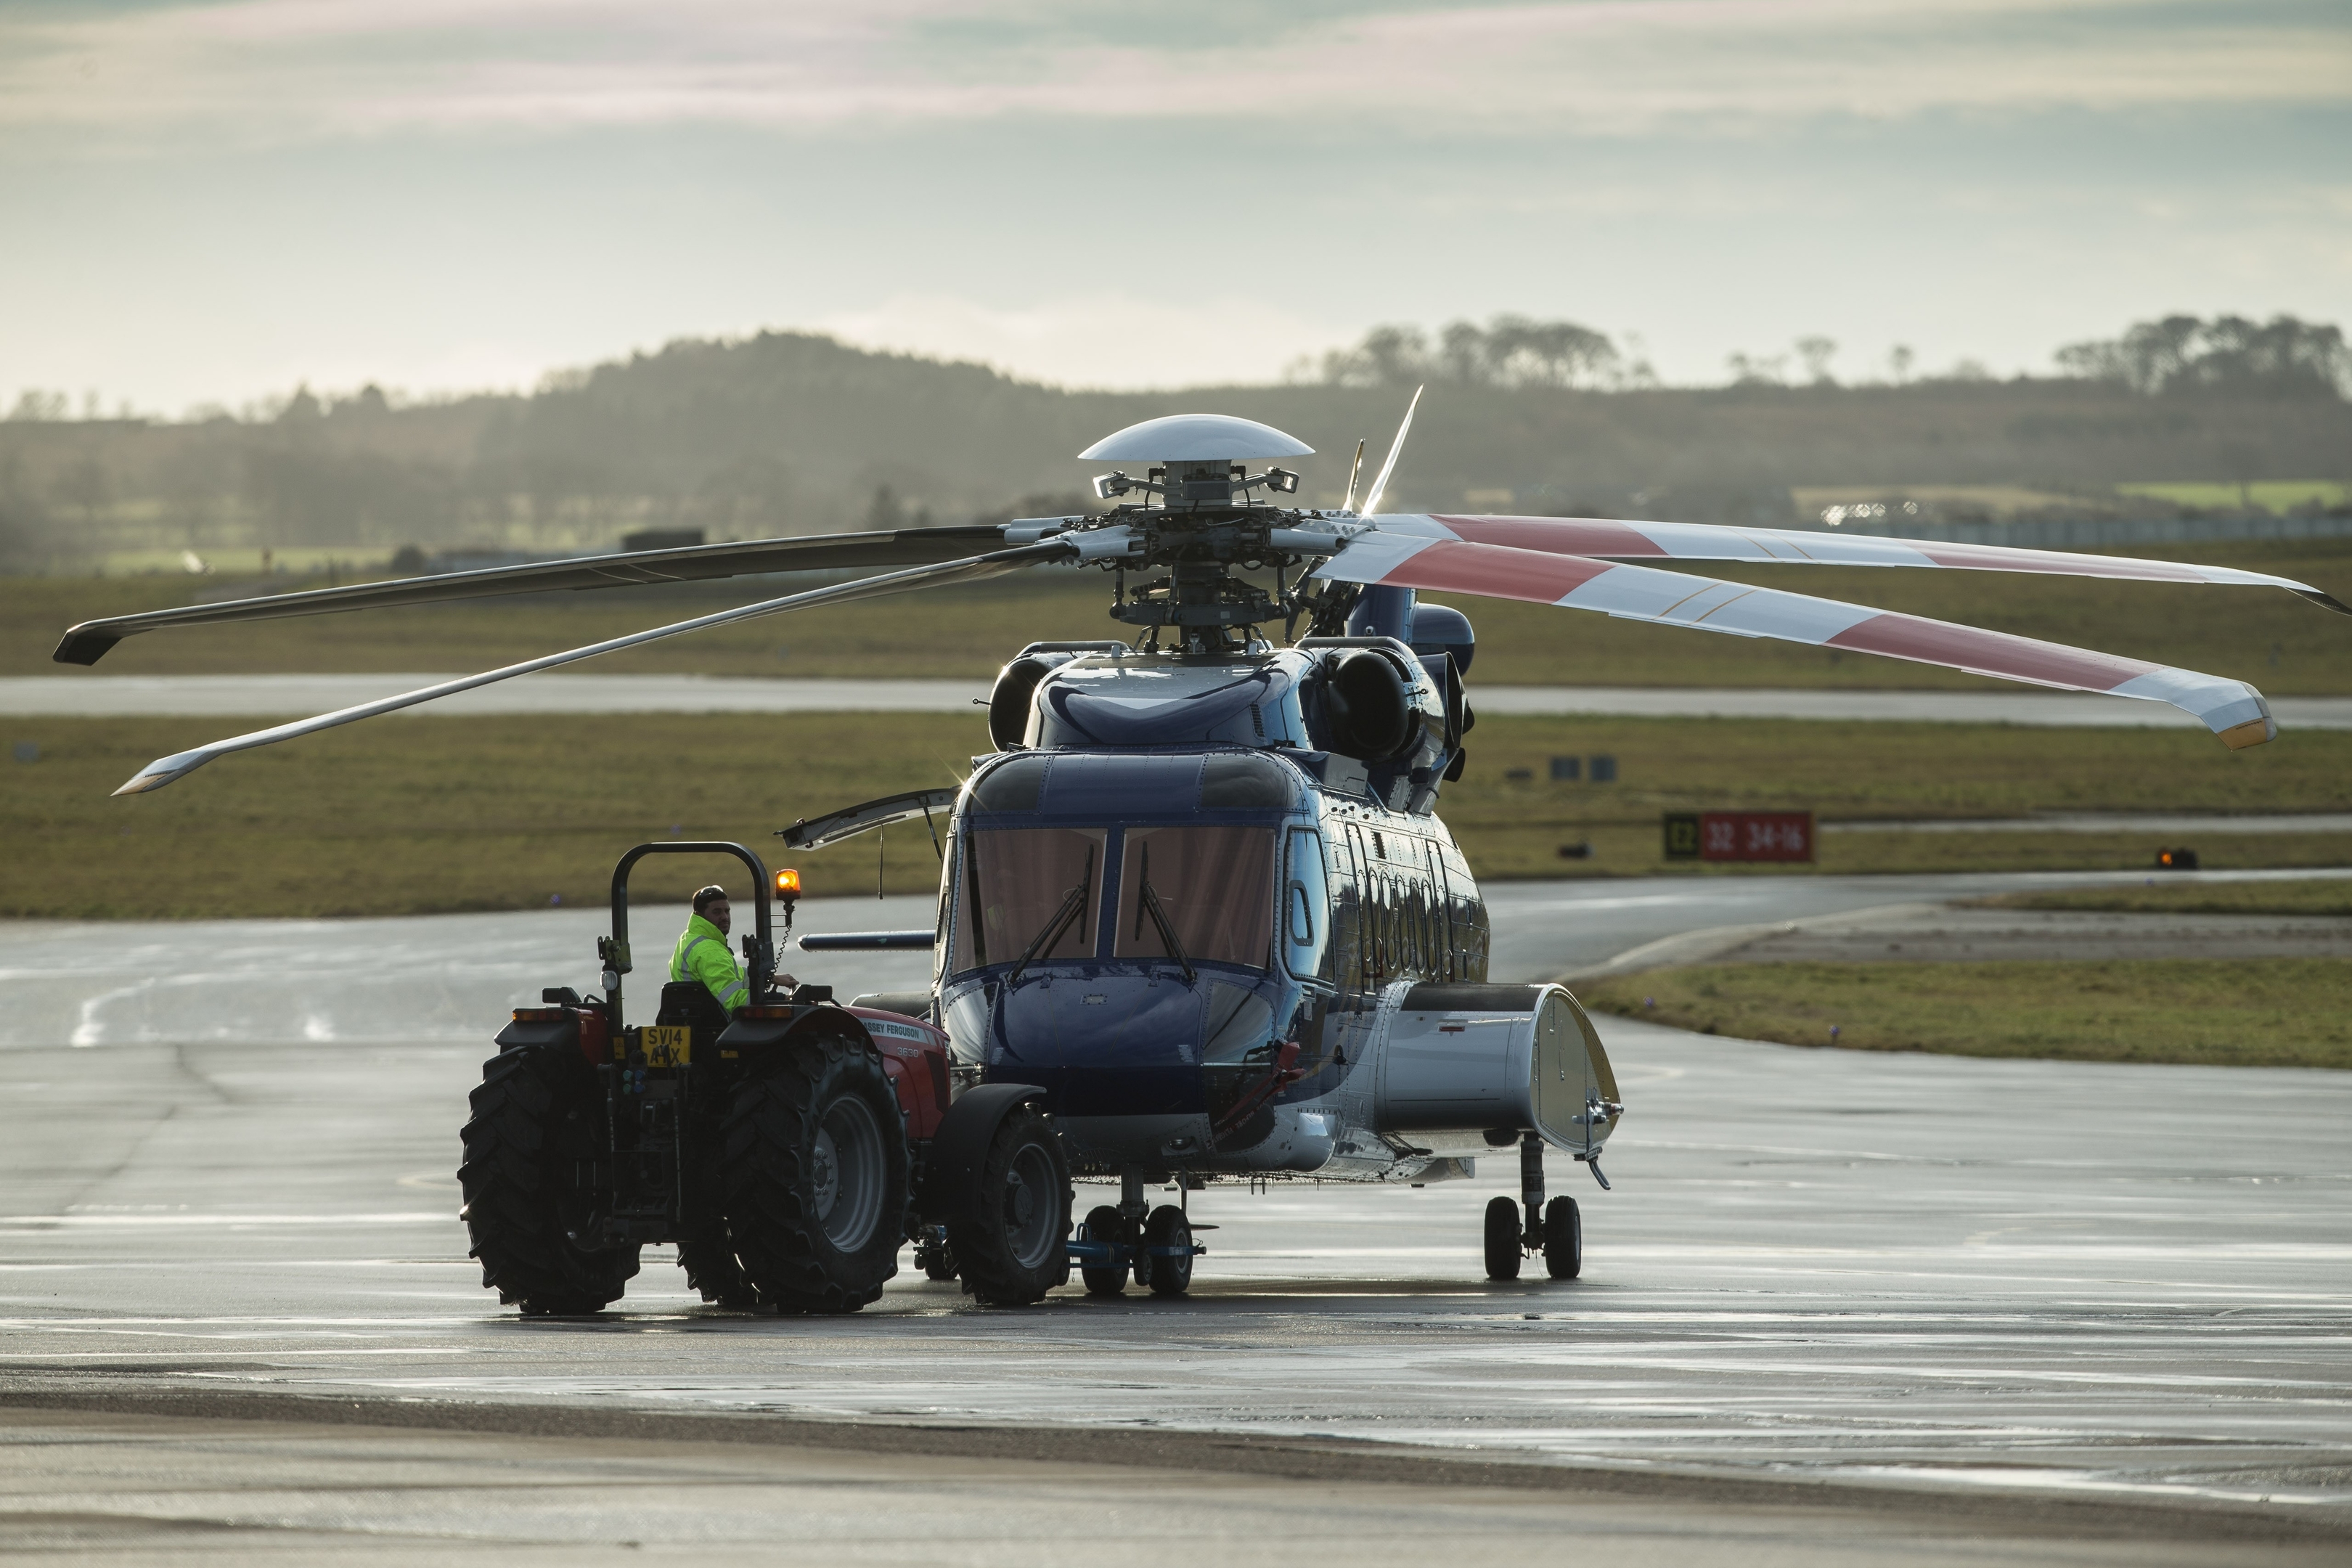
[789, 433]
[2280, 357]
[1509, 351]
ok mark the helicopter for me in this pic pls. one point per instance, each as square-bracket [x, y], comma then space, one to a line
[1198, 901]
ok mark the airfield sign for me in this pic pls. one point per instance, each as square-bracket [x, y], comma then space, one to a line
[1739, 835]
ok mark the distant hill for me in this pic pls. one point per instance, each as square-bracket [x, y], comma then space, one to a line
[792, 433]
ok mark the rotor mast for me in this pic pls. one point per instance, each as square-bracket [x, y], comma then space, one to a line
[1199, 521]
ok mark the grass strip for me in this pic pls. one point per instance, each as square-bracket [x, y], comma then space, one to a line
[2317, 897]
[2276, 1012]
[418, 813]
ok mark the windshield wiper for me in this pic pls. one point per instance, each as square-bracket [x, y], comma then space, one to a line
[1072, 906]
[1148, 903]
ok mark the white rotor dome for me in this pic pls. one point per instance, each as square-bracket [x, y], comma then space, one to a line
[1195, 439]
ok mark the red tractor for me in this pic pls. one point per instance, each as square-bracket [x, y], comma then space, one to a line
[788, 1150]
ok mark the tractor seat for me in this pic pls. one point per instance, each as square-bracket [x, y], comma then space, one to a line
[690, 1003]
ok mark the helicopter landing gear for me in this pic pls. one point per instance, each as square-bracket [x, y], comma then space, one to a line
[1106, 1228]
[1514, 1230]
[1156, 1247]
[1563, 1242]
[1164, 1265]
[933, 1256]
[1503, 1244]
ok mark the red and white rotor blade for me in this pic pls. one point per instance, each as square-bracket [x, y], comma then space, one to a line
[1603, 538]
[2231, 709]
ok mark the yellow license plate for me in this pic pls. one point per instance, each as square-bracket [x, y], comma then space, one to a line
[667, 1045]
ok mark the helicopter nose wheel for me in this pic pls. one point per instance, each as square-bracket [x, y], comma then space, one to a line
[1105, 1224]
[1165, 1265]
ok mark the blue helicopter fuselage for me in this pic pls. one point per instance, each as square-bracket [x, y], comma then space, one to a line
[1179, 916]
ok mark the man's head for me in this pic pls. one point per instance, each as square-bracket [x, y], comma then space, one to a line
[711, 903]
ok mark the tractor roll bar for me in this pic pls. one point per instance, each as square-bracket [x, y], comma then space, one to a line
[759, 949]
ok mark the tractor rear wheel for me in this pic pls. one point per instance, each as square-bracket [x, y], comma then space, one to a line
[1011, 1231]
[711, 1269]
[705, 1250]
[814, 1159]
[534, 1123]
[1503, 1244]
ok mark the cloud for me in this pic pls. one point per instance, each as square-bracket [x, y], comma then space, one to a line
[273, 70]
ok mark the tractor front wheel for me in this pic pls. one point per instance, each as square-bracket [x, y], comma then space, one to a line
[1011, 1232]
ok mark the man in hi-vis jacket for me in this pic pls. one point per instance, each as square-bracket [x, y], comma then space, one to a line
[702, 953]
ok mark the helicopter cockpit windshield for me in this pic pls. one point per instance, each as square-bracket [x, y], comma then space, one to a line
[1028, 892]
[1136, 861]
[1185, 893]
[1191, 894]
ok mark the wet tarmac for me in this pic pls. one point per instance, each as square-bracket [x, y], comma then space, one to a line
[230, 1172]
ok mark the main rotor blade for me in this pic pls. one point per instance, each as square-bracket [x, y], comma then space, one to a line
[1355, 472]
[1381, 485]
[163, 770]
[88, 643]
[2231, 709]
[1609, 539]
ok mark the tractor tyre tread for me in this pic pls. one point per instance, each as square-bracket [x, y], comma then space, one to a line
[766, 1147]
[992, 1276]
[529, 1125]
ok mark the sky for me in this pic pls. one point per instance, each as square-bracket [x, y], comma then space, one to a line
[212, 202]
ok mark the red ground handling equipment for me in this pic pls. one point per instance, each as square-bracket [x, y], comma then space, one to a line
[788, 1150]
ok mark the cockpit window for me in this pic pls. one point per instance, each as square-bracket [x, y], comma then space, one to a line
[1197, 894]
[1024, 888]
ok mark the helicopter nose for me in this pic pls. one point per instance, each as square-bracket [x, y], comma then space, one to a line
[1103, 1044]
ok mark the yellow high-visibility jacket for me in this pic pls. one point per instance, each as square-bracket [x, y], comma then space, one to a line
[702, 955]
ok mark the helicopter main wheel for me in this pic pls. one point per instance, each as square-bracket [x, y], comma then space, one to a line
[1503, 1249]
[1105, 1224]
[1166, 1273]
[933, 1256]
[1563, 1246]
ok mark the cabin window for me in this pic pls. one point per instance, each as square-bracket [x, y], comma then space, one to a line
[1307, 909]
[1025, 885]
[1210, 895]
[1347, 912]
